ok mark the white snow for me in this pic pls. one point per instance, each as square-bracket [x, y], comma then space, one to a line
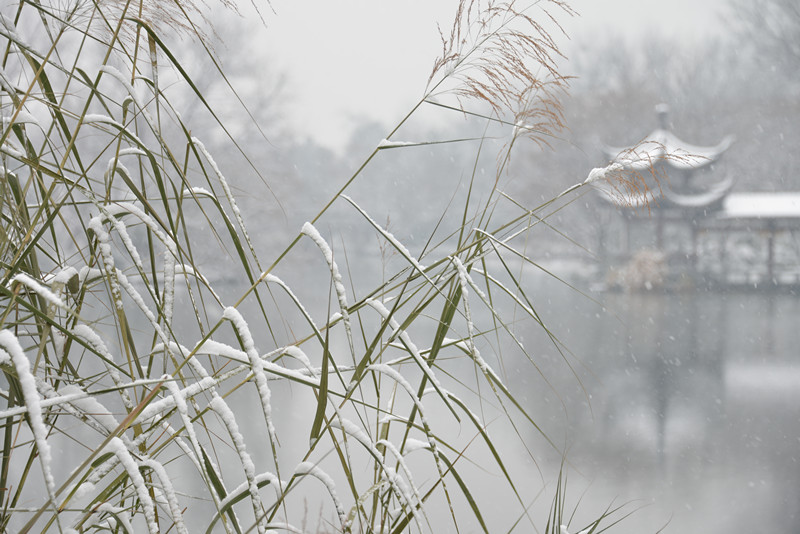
[121, 513]
[389, 237]
[401, 380]
[60, 399]
[64, 275]
[610, 171]
[23, 117]
[40, 290]
[761, 206]
[270, 278]
[132, 468]
[90, 406]
[264, 393]
[401, 461]
[308, 468]
[226, 415]
[415, 445]
[5, 83]
[123, 80]
[279, 486]
[385, 144]
[169, 493]
[104, 244]
[90, 118]
[91, 337]
[228, 194]
[12, 352]
[89, 274]
[198, 191]
[157, 407]
[408, 344]
[341, 292]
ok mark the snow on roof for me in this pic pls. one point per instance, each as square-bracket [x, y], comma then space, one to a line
[663, 145]
[716, 193]
[761, 206]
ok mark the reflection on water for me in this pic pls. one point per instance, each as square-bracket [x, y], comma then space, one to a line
[687, 404]
[693, 406]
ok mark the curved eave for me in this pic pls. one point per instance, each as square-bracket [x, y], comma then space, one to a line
[708, 199]
[663, 145]
[626, 199]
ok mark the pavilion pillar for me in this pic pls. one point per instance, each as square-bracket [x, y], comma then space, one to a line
[771, 253]
[627, 237]
[723, 252]
[660, 230]
[693, 259]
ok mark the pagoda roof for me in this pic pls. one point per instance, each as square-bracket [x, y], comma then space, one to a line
[663, 145]
[667, 198]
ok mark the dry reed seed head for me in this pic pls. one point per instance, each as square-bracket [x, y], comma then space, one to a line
[634, 178]
[499, 54]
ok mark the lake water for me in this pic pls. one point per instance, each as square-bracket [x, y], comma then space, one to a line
[687, 403]
[684, 407]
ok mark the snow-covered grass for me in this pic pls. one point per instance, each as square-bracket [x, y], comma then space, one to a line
[138, 400]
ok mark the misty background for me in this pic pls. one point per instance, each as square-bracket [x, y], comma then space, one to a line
[684, 403]
[724, 68]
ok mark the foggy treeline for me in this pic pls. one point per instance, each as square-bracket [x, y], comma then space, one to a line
[744, 84]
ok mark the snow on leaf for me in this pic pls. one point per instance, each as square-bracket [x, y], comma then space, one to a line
[40, 290]
[14, 353]
[308, 468]
[264, 393]
[169, 493]
[341, 292]
[132, 469]
[229, 420]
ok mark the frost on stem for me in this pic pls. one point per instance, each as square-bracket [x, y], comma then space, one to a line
[132, 469]
[178, 398]
[123, 80]
[110, 212]
[270, 278]
[117, 516]
[228, 194]
[341, 292]
[104, 245]
[85, 406]
[40, 290]
[389, 237]
[91, 337]
[169, 493]
[260, 377]
[400, 379]
[308, 468]
[224, 412]
[411, 347]
[404, 466]
[279, 485]
[466, 282]
[216, 348]
[158, 407]
[11, 353]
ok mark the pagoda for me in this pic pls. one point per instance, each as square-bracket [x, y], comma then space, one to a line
[675, 184]
[746, 239]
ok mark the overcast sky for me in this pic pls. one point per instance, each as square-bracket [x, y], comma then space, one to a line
[347, 60]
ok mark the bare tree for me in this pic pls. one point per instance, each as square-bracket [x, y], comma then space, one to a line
[771, 30]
